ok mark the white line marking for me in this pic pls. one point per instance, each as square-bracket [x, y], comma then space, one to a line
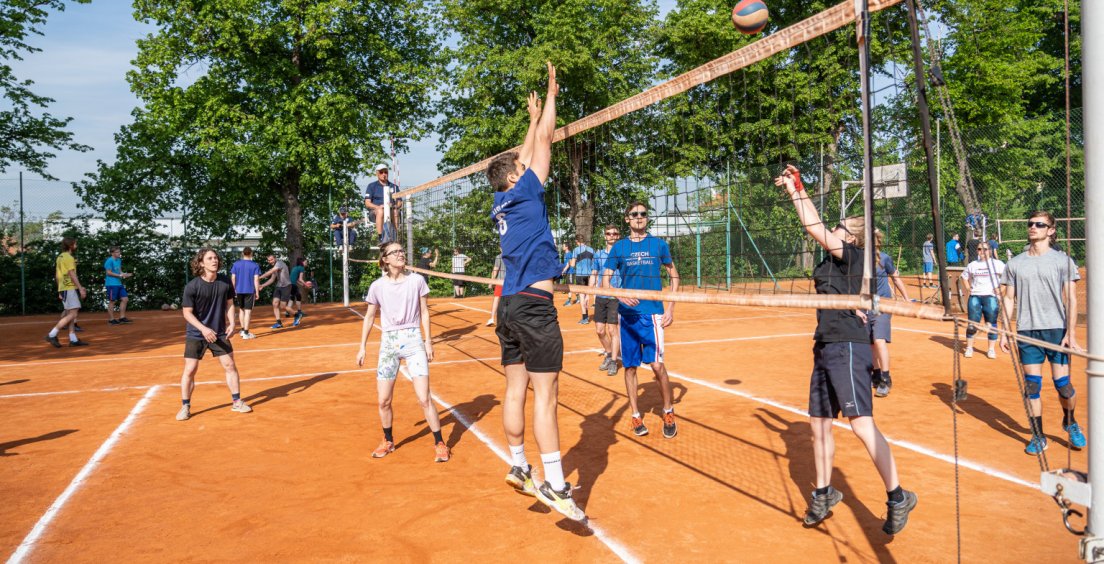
[152, 357]
[28, 543]
[903, 444]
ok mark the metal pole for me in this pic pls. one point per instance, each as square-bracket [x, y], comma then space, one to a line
[329, 199]
[1092, 21]
[728, 226]
[869, 259]
[408, 209]
[22, 254]
[933, 175]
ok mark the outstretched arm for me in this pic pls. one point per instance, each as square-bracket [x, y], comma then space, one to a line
[534, 107]
[807, 212]
[541, 159]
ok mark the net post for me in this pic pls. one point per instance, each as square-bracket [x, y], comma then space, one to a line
[408, 216]
[345, 262]
[862, 12]
[22, 254]
[1092, 19]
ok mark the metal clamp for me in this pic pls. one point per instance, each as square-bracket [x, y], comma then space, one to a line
[1064, 504]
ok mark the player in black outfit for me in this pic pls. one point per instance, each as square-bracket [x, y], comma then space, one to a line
[842, 363]
[209, 311]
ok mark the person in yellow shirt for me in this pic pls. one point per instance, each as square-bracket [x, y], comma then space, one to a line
[70, 292]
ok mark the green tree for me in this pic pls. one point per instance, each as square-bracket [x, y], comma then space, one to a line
[26, 135]
[254, 110]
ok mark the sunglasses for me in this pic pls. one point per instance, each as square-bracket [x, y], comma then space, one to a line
[612, 233]
[844, 228]
[636, 214]
[395, 252]
[1038, 224]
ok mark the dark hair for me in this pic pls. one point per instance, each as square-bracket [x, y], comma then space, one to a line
[300, 261]
[634, 204]
[197, 260]
[502, 166]
[383, 253]
[113, 249]
[929, 236]
[68, 244]
[1050, 220]
[247, 252]
[611, 226]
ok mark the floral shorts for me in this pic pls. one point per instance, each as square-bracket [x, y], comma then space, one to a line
[399, 345]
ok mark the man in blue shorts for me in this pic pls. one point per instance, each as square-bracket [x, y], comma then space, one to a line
[637, 259]
[605, 307]
[113, 283]
[528, 329]
[1043, 291]
[929, 261]
[246, 277]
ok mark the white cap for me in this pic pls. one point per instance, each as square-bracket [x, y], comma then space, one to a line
[380, 167]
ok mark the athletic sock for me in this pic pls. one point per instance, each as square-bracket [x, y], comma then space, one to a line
[235, 397]
[186, 402]
[437, 437]
[636, 415]
[822, 491]
[72, 337]
[672, 410]
[876, 377]
[1037, 426]
[517, 454]
[387, 436]
[897, 495]
[54, 332]
[1067, 418]
[553, 470]
[885, 378]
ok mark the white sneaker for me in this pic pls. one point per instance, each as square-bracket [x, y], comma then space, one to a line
[992, 353]
[969, 352]
[248, 336]
[184, 414]
[241, 407]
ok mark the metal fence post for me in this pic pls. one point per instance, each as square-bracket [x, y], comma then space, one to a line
[22, 254]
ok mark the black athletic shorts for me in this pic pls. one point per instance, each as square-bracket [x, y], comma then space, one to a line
[458, 283]
[194, 348]
[841, 380]
[581, 280]
[605, 310]
[243, 301]
[529, 331]
[295, 296]
[282, 293]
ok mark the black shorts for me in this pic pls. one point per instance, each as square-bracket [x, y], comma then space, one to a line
[605, 310]
[282, 293]
[458, 283]
[194, 348]
[581, 280]
[243, 301]
[841, 380]
[295, 296]
[529, 332]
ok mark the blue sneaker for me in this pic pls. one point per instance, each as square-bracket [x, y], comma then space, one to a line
[298, 318]
[1077, 438]
[277, 325]
[1037, 445]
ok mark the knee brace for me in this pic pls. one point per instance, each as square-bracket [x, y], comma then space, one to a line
[1065, 389]
[1032, 386]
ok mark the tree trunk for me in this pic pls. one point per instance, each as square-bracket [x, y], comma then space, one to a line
[582, 208]
[293, 212]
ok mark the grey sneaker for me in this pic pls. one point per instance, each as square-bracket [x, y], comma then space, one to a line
[241, 407]
[184, 414]
[821, 506]
[605, 364]
[521, 480]
[897, 515]
[612, 370]
[883, 389]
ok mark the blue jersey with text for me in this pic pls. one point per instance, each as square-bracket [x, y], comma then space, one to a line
[528, 250]
[639, 264]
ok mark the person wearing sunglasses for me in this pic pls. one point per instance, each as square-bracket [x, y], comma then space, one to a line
[842, 363]
[1040, 283]
[528, 327]
[983, 276]
[637, 259]
[400, 298]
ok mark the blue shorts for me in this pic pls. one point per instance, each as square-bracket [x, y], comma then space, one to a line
[1032, 354]
[928, 267]
[115, 293]
[641, 340]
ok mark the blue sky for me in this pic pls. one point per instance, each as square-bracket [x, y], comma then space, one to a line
[86, 52]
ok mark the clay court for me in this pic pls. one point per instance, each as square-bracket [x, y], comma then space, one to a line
[96, 468]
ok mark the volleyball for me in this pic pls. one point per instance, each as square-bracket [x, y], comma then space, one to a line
[750, 16]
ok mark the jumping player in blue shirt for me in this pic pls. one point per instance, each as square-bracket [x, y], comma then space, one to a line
[528, 329]
[637, 259]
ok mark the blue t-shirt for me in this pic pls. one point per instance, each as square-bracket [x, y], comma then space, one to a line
[243, 271]
[374, 192]
[885, 270]
[521, 219]
[639, 264]
[584, 259]
[953, 254]
[113, 264]
[565, 267]
[599, 267]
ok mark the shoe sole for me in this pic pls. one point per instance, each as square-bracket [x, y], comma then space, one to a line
[553, 505]
[672, 435]
[1045, 446]
[915, 499]
[881, 394]
[523, 489]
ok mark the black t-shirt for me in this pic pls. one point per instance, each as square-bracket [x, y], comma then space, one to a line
[423, 263]
[971, 250]
[840, 276]
[208, 303]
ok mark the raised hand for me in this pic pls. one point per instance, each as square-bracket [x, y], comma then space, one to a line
[534, 106]
[553, 86]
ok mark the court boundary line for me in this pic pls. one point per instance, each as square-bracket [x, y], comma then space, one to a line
[154, 357]
[28, 544]
[614, 546]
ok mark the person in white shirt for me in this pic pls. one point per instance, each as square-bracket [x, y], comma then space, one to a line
[459, 263]
[983, 276]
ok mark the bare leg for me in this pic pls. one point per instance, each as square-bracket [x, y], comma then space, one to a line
[630, 387]
[881, 355]
[546, 426]
[421, 389]
[604, 337]
[232, 380]
[276, 309]
[824, 449]
[246, 315]
[187, 379]
[67, 319]
[513, 406]
[878, 448]
[494, 311]
[660, 371]
[386, 388]
[111, 310]
[122, 306]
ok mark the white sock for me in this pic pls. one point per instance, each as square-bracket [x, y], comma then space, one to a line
[672, 410]
[518, 454]
[72, 337]
[636, 415]
[553, 470]
[54, 332]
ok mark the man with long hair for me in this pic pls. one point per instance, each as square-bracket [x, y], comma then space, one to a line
[70, 292]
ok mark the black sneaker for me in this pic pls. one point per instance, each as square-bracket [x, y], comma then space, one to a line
[53, 341]
[669, 427]
[78, 343]
[897, 515]
[113, 322]
[821, 506]
[638, 427]
[125, 320]
[77, 328]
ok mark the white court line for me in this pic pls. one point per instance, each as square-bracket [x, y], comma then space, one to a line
[903, 444]
[152, 357]
[29, 541]
[601, 535]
